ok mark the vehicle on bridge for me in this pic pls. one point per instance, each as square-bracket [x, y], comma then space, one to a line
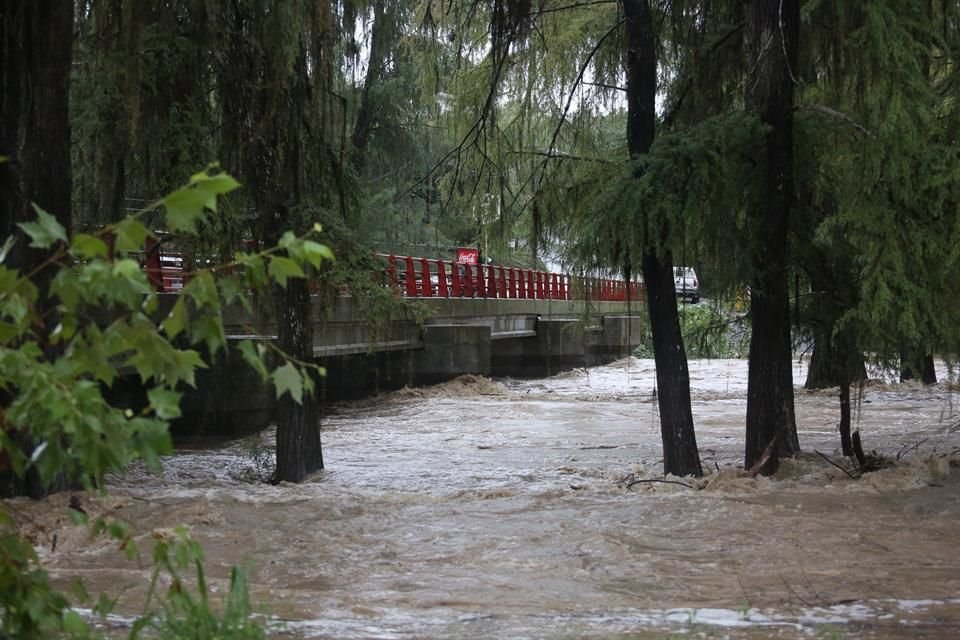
[686, 284]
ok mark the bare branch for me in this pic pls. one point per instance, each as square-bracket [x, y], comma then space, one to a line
[568, 7]
[852, 477]
[660, 481]
[833, 113]
[561, 156]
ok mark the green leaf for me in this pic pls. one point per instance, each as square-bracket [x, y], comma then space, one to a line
[203, 289]
[177, 320]
[217, 184]
[73, 623]
[254, 271]
[254, 357]
[131, 234]
[231, 289]
[45, 231]
[185, 206]
[281, 269]
[105, 605]
[118, 530]
[85, 245]
[8, 332]
[165, 402]
[7, 245]
[208, 328]
[315, 252]
[287, 240]
[288, 379]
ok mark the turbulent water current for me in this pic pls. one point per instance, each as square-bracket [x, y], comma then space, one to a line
[487, 508]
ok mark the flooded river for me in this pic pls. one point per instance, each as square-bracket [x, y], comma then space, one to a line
[501, 509]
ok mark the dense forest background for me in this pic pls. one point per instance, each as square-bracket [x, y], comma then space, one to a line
[415, 127]
[800, 155]
[803, 155]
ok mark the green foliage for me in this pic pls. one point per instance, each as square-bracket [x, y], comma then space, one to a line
[881, 180]
[709, 331]
[187, 615]
[689, 187]
[64, 345]
[31, 608]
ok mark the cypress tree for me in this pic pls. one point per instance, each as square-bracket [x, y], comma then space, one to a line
[772, 40]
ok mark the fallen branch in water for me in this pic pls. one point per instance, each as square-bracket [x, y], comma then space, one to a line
[765, 457]
[852, 476]
[904, 450]
[659, 480]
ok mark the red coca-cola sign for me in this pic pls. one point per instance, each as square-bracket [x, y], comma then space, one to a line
[468, 255]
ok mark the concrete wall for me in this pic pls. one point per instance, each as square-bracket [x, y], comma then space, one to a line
[517, 338]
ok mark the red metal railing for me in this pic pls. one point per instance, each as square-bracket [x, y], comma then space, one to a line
[431, 278]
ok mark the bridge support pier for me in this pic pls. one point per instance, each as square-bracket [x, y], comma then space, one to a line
[450, 350]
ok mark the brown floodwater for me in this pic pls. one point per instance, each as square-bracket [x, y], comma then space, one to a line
[501, 508]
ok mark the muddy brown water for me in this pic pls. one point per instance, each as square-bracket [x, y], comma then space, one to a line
[499, 508]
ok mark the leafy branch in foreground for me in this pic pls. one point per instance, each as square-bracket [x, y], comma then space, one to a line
[65, 344]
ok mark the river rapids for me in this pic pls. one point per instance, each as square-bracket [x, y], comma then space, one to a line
[508, 508]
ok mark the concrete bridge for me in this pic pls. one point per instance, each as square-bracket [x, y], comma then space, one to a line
[365, 352]
[464, 317]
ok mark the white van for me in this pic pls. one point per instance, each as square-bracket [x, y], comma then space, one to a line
[686, 283]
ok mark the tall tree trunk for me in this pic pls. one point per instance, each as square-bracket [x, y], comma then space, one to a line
[299, 451]
[680, 456]
[115, 67]
[913, 361]
[846, 444]
[380, 39]
[36, 39]
[269, 123]
[773, 32]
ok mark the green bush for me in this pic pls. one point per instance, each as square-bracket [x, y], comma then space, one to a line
[709, 331]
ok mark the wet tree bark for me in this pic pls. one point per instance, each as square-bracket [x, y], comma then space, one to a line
[381, 35]
[826, 363]
[36, 39]
[680, 455]
[35, 54]
[772, 38]
[911, 362]
[845, 443]
[299, 450]
[270, 117]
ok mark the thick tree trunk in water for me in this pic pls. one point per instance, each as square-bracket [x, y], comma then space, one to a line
[271, 116]
[680, 455]
[36, 39]
[911, 362]
[827, 362]
[820, 371]
[845, 442]
[928, 373]
[772, 39]
[298, 425]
